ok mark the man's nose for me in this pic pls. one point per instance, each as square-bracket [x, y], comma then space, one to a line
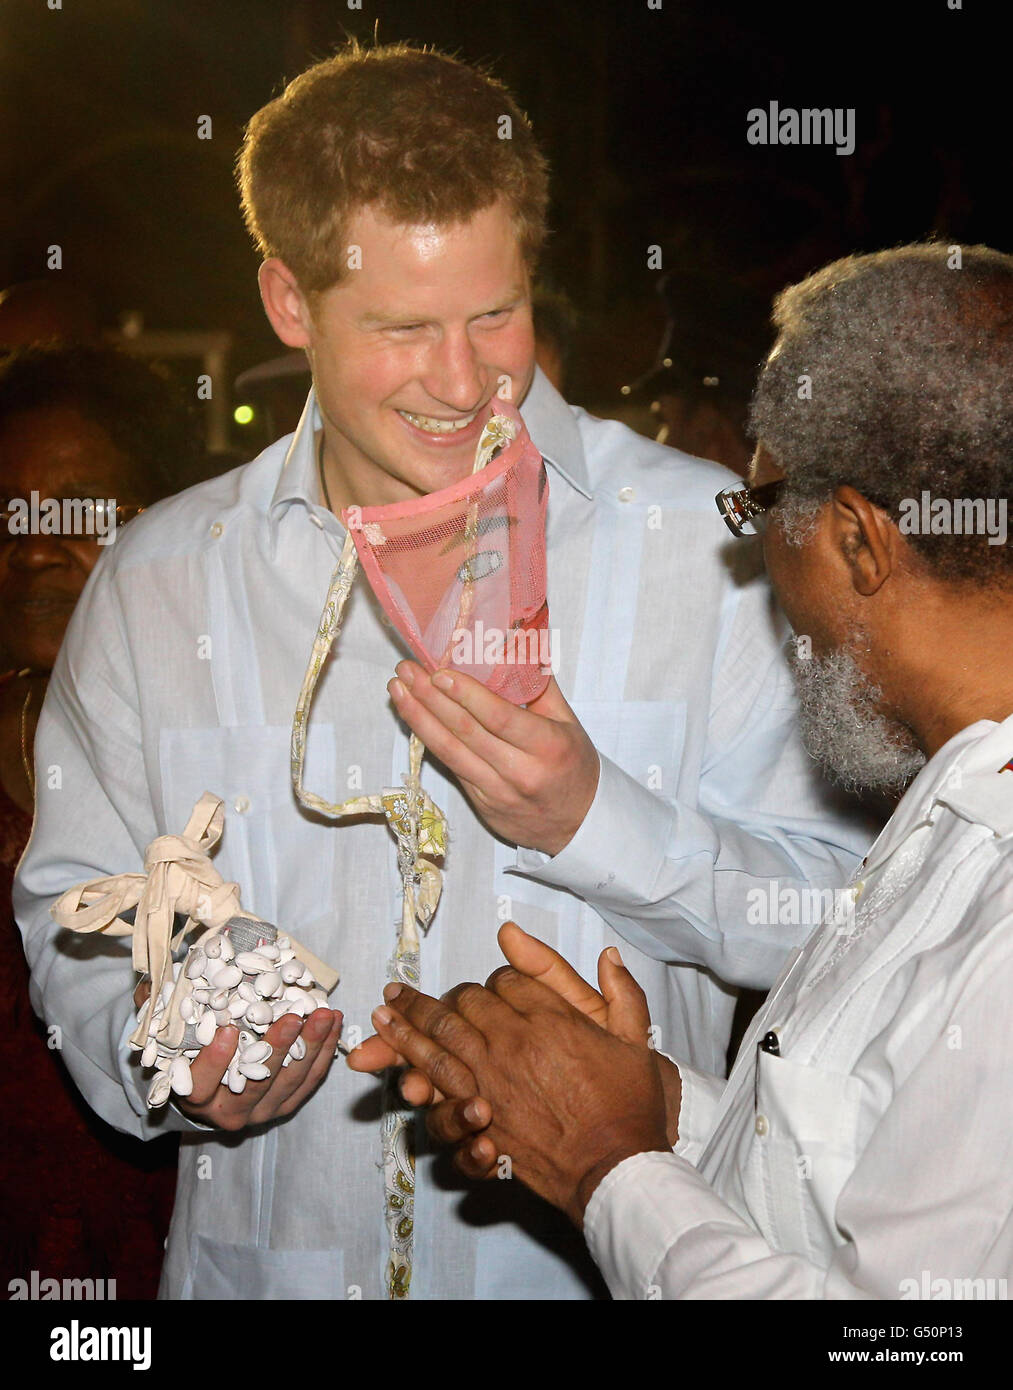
[35, 552]
[455, 374]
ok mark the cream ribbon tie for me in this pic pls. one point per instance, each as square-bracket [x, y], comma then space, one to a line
[178, 879]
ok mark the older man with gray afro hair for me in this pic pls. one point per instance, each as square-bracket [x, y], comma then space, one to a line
[891, 372]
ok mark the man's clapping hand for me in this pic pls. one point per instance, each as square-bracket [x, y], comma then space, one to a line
[537, 1065]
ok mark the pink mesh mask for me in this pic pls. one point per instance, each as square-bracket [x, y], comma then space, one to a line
[461, 572]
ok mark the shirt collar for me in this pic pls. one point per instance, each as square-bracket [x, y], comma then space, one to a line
[979, 782]
[548, 418]
[298, 480]
[555, 434]
[966, 776]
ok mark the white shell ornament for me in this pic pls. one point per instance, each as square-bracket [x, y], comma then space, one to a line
[180, 891]
[239, 974]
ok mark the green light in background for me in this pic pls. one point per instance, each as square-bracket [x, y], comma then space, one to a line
[243, 414]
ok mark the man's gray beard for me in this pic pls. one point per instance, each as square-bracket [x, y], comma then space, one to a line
[841, 727]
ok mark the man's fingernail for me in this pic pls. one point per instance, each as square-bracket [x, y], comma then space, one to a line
[381, 1015]
[614, 956]
[471, 1112]
[406, 674]
[396, 689]
[442, 681]
[391, 991]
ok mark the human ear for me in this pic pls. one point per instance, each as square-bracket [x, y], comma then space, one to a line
[284, 303]
[866, 538]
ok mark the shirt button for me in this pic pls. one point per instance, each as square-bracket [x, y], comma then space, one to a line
[217, 529]
[626, 494]
[761, 1125]
[858, 889]
[241, 805]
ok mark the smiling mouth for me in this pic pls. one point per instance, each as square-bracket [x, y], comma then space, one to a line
[432, 425]
[43, 604]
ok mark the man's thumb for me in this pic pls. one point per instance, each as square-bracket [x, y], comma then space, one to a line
[551, 704]
[628, 1015]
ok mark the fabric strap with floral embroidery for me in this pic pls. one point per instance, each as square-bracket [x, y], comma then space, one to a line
[420, 831]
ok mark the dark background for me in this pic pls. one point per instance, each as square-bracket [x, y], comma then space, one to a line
[642, 113]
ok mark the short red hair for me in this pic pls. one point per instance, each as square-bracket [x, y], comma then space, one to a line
[412, 132]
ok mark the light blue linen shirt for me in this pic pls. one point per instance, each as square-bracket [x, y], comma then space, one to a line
[180, 673]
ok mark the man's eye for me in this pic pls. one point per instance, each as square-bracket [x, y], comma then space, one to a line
[407, 327]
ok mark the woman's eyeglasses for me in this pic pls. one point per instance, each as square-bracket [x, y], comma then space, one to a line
[68, 518]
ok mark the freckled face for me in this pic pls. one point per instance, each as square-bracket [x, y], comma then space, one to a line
[408, 351]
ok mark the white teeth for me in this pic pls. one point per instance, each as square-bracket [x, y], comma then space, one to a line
[433, 426]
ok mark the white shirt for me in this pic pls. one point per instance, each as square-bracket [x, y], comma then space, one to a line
[873, 1156]
[180, 673]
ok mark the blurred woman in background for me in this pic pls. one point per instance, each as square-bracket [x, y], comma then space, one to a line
[77, 1199]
